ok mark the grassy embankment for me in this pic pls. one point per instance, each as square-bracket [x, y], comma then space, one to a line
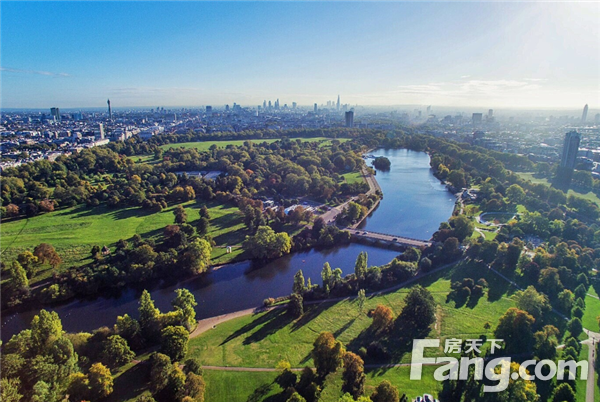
[73, 231]
[264, 339]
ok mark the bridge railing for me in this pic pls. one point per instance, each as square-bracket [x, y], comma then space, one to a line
[391, 235]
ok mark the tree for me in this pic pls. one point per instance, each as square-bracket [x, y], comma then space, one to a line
[196, 257]
[419, 310]
[128, 328]
[160, 368]
[326, 275]
[180, 214]
[101, 381]
[185, 302]
[46, 253]
[296, 397]
[515, 327]
[462, 227]
[174, 342]
[116, 351]
[385, 392]
[382, 163]
[516, 390]
[194, 387]
[149, 317]
[9, 390]
[28, 261]
[18, 282]
[266, 244]
[299, 284]
[361, 298]
[46, 327]
[354, 375]
[296, 305]
[546, 342]
[383, 318]
[575, 327]
[515, 194]
[327, 353]
[563, 393]
[79, 386]
[536, 304]
[360, 268]
[202, 226]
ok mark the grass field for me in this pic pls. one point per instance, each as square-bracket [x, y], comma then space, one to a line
[592, 311]
[205, 145]
[588, 196]
[353, 177]
[263, 339]
[74, 231]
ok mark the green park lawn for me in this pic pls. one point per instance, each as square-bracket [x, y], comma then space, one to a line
[531, 177]
[73, 231]
[592, 311]
[205, 145]
[353, 177]
[261, 340]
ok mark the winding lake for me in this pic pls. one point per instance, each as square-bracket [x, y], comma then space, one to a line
[414, 204]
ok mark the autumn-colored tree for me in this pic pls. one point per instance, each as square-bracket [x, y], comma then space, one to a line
[327, 353]
[354, 375]
[383, 318]
[46, 253]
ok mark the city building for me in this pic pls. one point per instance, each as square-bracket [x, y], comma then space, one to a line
[338, 104]
[477, 118]
[349, 118]
[55, 112]
[570, 149]
[109, 110]
[208, 109]
[597, 118]
[584, 115]
[315, 108]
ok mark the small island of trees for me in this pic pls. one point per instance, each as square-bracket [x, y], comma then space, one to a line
[382, 163]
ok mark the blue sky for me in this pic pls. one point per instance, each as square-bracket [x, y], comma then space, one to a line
[78, 54]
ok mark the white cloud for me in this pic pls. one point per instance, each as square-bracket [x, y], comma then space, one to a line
[46, 73]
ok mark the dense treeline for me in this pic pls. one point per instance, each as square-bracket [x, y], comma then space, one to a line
[284, 170]
[45, 364]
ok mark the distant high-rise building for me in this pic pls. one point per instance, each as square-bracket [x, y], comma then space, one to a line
[338, 104]
[477, 118]
[109, 110]
[584, 115]
[428, 110]
[294, 104]
[349, 119]
[597, 118]
[208, 109]
[55, 112]
[570, 149]
[227, 108]
[101, 129]
[270, 105]
[264, 104]
[315, 108]
[277, 104]
[490, 113]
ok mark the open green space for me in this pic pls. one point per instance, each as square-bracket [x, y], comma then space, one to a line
[265, 338]
[537, 180]
[353, 177]
[262, 340]
[73, 231]
[205, 145]
[592, 311]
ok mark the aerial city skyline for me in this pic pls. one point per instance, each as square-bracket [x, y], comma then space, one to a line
[510, 55]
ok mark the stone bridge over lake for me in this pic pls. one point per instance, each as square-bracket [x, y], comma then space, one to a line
[388, 238]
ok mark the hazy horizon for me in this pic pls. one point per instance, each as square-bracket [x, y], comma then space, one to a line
[529, 56]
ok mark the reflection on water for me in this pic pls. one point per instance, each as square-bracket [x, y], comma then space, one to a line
[414, 204]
